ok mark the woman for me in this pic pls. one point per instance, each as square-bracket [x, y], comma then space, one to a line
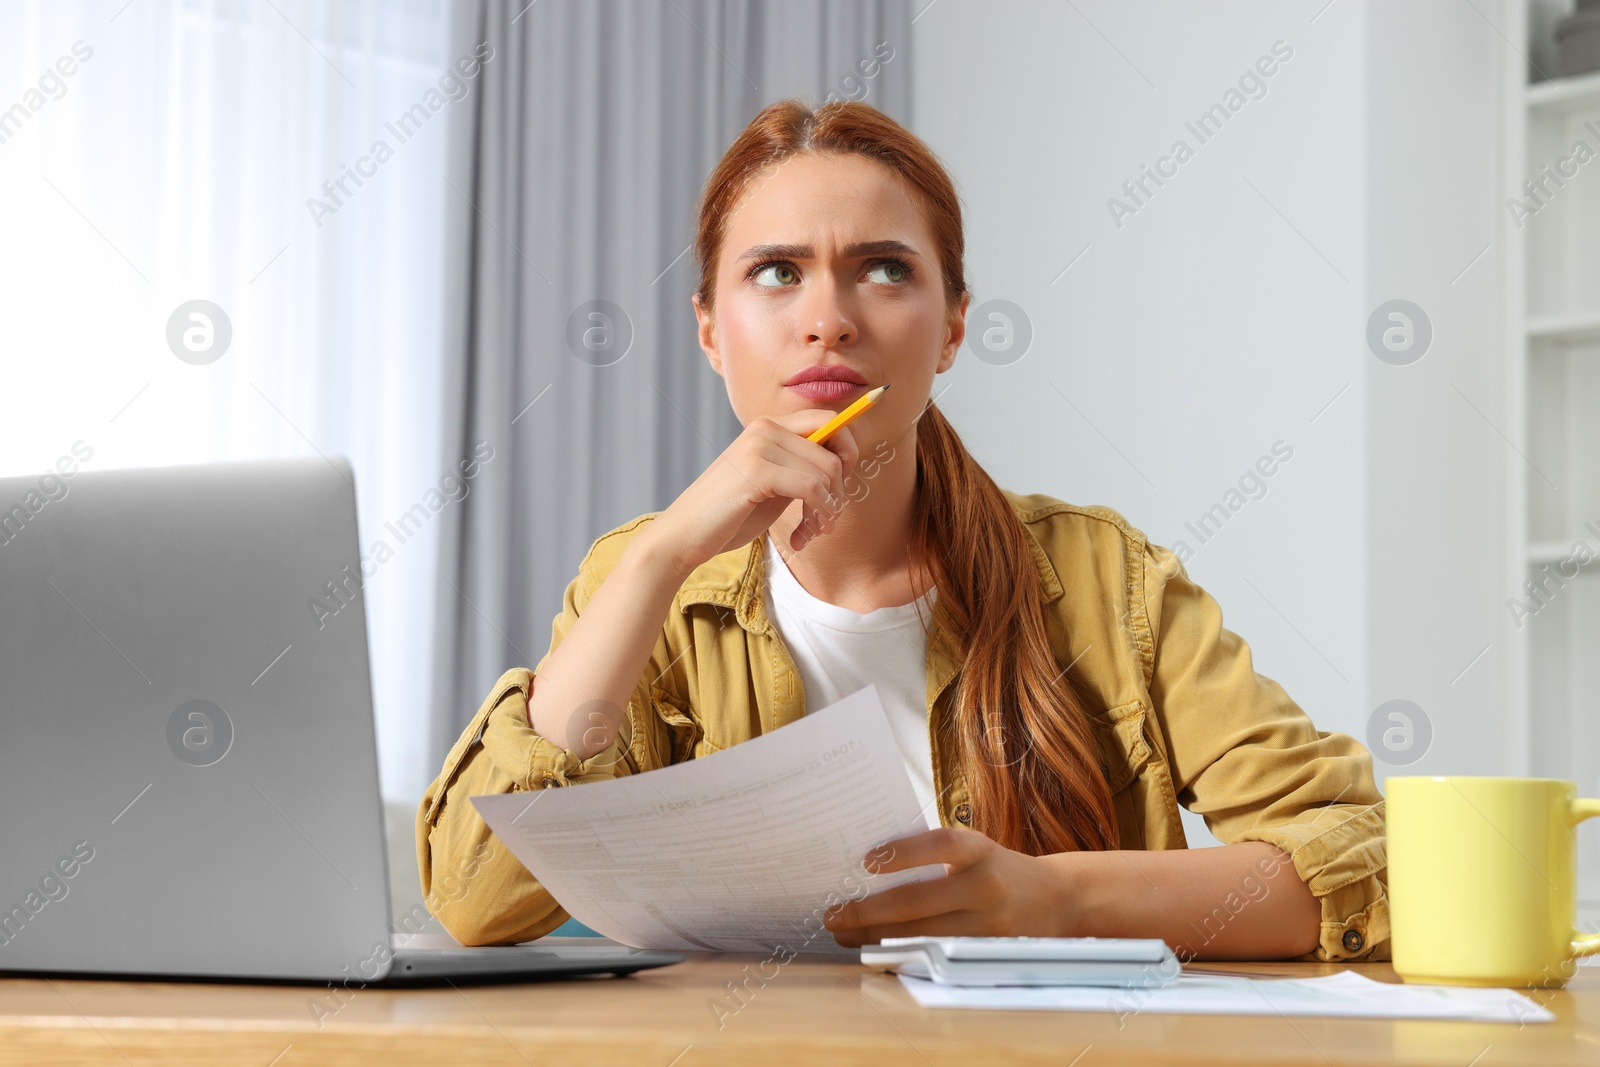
[1070, 689]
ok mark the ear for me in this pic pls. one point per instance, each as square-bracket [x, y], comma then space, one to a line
[955, 333]
[708, 334]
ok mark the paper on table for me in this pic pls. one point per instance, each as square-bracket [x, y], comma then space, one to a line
[1345, 994]
[743, 850]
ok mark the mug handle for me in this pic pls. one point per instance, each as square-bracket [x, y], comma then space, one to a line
[1581, 809]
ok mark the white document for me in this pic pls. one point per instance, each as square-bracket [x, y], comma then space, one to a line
[1345, 994]
[744, 850]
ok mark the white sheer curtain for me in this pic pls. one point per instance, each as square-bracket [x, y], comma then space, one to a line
[158, 152]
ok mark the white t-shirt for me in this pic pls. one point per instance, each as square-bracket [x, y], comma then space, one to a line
[839, 651]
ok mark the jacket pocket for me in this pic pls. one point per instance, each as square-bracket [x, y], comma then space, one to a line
[1141, 782]
[685, 735]
[1123, 745]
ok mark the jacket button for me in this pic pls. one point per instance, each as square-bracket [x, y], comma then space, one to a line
[1353, 940]
[549, 782]
[963, 813]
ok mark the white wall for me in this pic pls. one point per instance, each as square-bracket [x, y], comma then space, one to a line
[1438, 453]
[1229, 312]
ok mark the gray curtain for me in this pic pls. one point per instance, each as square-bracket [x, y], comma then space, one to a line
[570, 338]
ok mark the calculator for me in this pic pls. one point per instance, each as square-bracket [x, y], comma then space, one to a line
[1122, 962]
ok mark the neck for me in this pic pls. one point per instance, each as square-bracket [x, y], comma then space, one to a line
[863, 563]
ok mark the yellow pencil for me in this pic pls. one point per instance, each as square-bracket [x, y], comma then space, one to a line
[846, 415]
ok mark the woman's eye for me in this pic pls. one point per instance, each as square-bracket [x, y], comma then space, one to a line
[771, 269]
[899, 273]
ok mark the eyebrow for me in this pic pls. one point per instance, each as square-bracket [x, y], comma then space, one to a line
[860, 248]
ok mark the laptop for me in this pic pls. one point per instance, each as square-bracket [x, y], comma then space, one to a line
[188, 760]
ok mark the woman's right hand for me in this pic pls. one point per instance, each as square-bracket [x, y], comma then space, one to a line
[744, 491]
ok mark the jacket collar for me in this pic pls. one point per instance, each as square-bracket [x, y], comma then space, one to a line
[734, 580]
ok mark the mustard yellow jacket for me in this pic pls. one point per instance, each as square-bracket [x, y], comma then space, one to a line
[1181, 717]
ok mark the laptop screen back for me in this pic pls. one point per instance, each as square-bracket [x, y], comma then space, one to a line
[188, 769]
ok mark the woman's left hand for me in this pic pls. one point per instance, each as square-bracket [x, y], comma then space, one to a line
[988, 890]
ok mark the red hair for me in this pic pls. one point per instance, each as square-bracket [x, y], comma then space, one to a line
[1026, 743]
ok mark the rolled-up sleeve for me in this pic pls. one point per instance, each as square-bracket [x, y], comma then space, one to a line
[474, 885]
[1250, 760]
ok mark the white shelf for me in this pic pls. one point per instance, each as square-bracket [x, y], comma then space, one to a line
[1562, 96]
[1554, 377]
[1551, 552]
[1580, 327]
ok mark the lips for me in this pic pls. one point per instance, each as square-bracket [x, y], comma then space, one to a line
[827, 372]
[827, 390]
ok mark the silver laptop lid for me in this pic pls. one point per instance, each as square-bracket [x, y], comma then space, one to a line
[188, 771]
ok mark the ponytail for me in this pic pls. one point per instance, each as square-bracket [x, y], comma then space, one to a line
[1027, 748]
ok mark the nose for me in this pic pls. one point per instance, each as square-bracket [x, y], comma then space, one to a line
[828, 323]
[830, 333]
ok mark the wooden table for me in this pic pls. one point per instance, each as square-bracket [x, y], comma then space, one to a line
[810, 1012]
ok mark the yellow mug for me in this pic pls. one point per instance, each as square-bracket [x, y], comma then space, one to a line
[1483, 880]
